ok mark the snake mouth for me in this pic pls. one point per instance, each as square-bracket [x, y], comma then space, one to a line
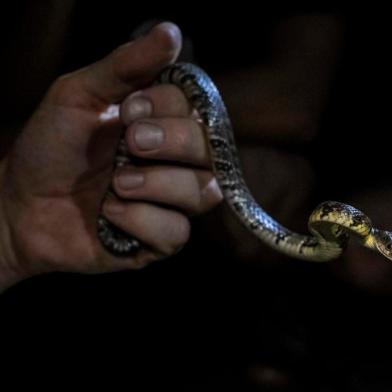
[383, 242]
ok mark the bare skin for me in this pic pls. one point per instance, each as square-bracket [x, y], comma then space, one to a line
[54, 178]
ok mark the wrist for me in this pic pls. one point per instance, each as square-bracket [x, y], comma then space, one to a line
[10, 270]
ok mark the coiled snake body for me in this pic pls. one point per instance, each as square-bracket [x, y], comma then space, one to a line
[330, 223]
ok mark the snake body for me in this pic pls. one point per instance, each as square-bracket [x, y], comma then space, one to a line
[330, 224]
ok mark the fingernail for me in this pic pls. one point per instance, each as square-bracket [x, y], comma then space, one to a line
[135, 107]
[148, 136]
[130, 181]
[113, 207]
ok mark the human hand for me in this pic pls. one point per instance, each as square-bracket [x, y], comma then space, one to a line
[57, 173]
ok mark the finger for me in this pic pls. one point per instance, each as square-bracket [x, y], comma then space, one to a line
[157, 101]
[144, 257]
[192, 191]
[169, 139]
[163, 230]
[129, 67]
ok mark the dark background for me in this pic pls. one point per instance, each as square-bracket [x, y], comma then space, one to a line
[204, 320]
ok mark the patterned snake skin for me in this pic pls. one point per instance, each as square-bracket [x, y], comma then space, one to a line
[330, 223]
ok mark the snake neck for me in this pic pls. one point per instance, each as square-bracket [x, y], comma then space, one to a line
[204, 96]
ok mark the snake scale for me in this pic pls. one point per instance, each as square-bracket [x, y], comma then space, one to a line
[330, 224]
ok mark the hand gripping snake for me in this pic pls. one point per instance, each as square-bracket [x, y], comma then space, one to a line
[330, 224]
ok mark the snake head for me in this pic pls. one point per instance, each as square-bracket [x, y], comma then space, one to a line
[383, 243]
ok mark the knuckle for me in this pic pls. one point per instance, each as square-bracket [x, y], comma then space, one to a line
[211, 195]
[62, 85]
[180, 140]
[213, 191]
[183, 139]
[65, 90]
[178, 234]
[142, 260]
[169, 100]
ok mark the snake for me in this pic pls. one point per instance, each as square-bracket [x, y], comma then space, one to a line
[331, 223]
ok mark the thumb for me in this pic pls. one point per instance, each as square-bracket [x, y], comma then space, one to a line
[130, 66]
